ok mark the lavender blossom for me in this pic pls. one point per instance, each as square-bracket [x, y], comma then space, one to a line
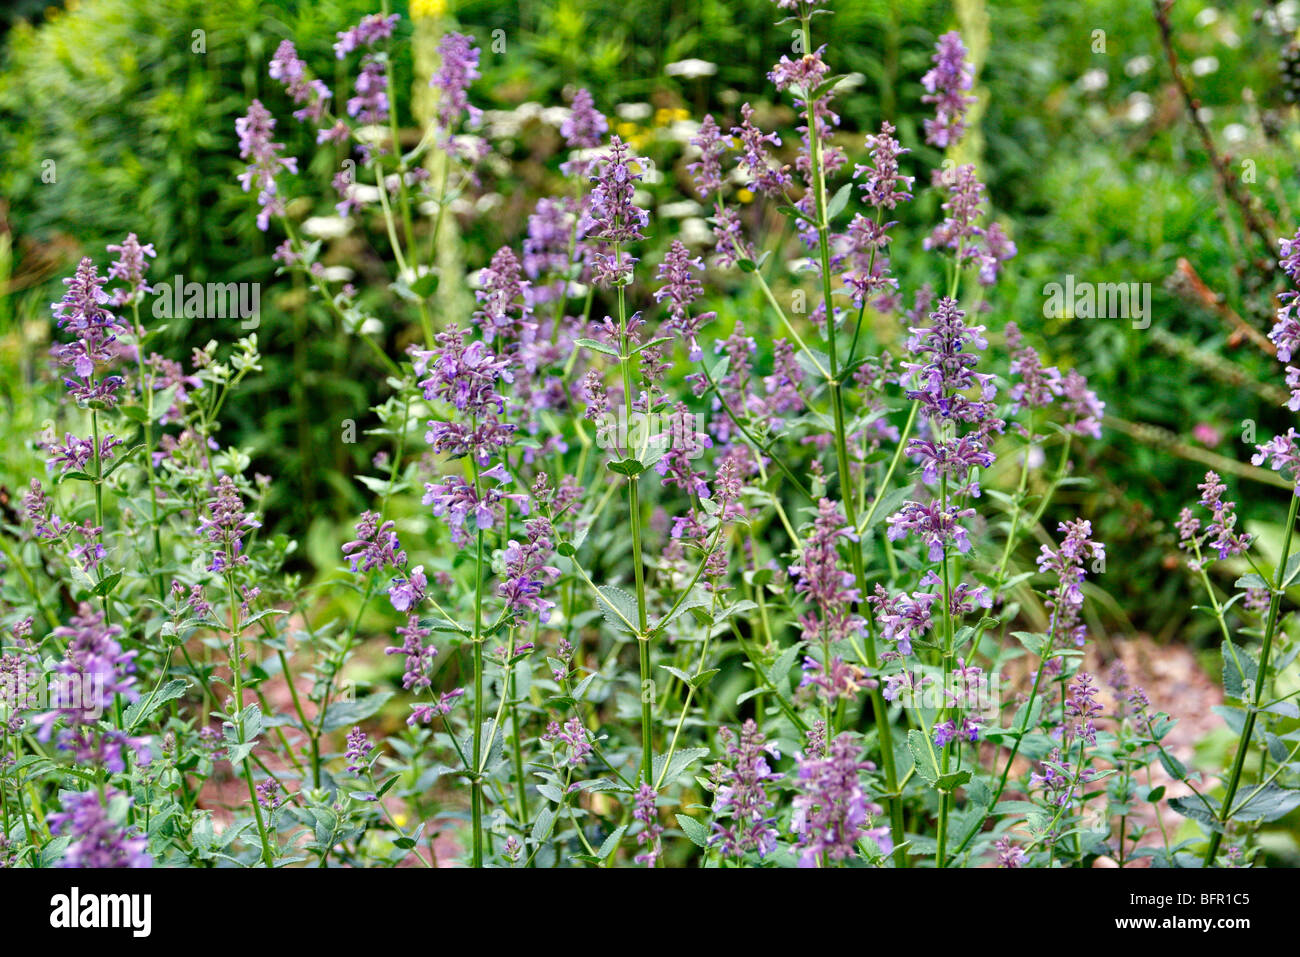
[96, 841]
[574, 736]
[946, 86]
[265, 162]
[459, 69]
[822, 580]
[130, 267]
[707, 170]
[742, 808]
[831, 810]
[585, 126]
[376, 545]
[419, 655]
[680, 288]
[647, 813]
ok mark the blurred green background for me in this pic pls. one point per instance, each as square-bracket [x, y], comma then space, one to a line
[1085, 143]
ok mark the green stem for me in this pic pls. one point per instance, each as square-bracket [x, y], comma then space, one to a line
[1248, 729]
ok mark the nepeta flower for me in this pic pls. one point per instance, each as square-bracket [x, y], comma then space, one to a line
[1038, 384]
[883, 187]
[946, 372]
[743, 821]
[946, 86]
[1282, 456]
[754, 143]
[358, 750]
[1066, 562]
[1082, 706]
[225, 526]
[370, 105]
[408, 592]
[376, 545]
[289, 69]
[95, 839]
[611, 214]
[503, 297]
[936, 526]
[419, 656]
[1082, 403]
[458, 70]
[841, 679]
[680, 288]
[647, 813]
[964, 205]
[425, 713]
[831, 810]
[822, 580]
[130, 267]
[265, 162]
[1009, 855]
[373, 28]
[81, 313]
[707, 170]
[585, 126]
[526, 572]
[573, 735]
[1224, 539]
[902, 617]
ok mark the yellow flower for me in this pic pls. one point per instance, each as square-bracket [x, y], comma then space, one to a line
[399, 818]
[744, 195]
[663, 116]
[433, 9]
[626, 130]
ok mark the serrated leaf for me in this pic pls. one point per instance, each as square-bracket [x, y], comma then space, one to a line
[693, 829]
[923, 757]
[618, 607]
[1270, 804]
[1239, 670]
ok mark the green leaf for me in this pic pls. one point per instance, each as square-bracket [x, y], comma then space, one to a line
[682, 760]
[889, 504]
[839, 201]
[1173, 767]
[926, 766]
[1239, 670]
[628, 467]
[611, 842]
[147, 705]
[952, 780]
[693, 829]
[1270, 804]
[106, 584]
[1292, 569]
[600, 347]
[703, 678]
[347, 713]
[1251, 580]
[542, 826]
[618, 607]
[1034, 642]
[1191, 807]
